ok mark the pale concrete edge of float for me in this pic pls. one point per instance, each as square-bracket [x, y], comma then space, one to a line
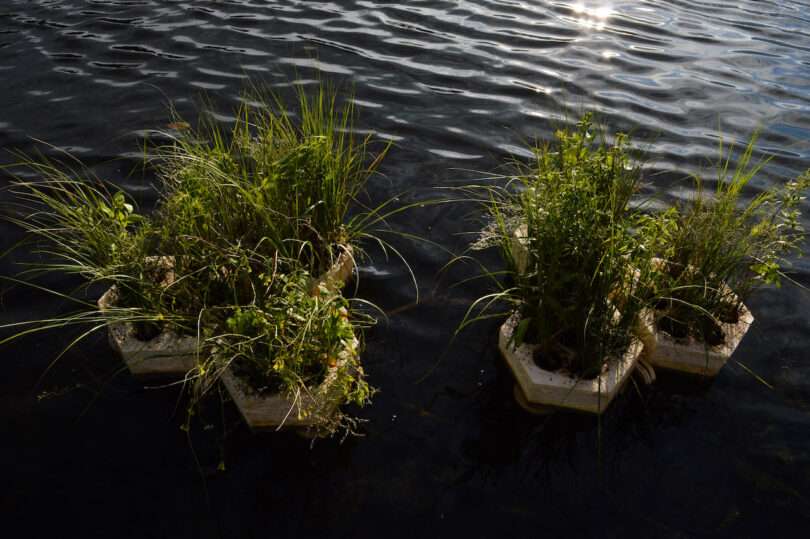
[690, 356]
[271, 411]
[549, 388]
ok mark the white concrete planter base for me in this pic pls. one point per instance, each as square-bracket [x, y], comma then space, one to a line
[548, 388]
[164, 355]
[169, 354]
[691, 356]
[272, 411]
[534, 409]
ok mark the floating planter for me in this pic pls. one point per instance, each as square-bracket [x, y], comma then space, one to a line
[170, 354]
[263, 411]
[537, 387]
[692, 356]
[236, 208]
[579, 273]
[167, 354]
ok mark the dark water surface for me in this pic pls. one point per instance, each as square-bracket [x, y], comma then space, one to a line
[89, 452]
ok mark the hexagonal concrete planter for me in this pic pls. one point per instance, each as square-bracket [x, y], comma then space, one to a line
[272, 411]
[546, 388]
[166, 354]
[691, 356]
[169, 354]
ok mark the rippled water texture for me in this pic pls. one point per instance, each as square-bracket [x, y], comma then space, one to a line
[457, 85]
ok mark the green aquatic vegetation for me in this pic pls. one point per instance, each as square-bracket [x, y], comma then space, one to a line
[574, 248]
[716, 248]
[280, 183]
[276, 195]
[77, 224]
[85, 226]
[304, 345]
[283, 182]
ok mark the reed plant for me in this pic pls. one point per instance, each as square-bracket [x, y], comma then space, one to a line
[716, 248]
[580, 273]
[280, 183]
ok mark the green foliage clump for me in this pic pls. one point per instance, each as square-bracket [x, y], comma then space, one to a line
[269, 197]
[579, 270]
[292, 341]
[716, 250]
[271, 182]
[86, 228]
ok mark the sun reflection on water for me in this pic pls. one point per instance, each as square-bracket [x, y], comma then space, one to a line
[593, 16]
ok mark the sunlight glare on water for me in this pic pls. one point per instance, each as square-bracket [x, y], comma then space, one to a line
[592, 15]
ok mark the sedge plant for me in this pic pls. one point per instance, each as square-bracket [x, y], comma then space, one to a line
[279, 181]
[717, 248]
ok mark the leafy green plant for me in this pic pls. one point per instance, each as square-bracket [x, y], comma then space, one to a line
[293, 342]
[716, 248]
[587, 273]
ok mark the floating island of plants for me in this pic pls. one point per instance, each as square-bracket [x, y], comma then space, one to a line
[237, 274]
[601, 285]
[235, 279]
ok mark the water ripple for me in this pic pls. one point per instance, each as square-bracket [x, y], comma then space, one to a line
[457, 85]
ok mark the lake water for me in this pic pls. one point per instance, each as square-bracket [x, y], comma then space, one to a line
[459, 86]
